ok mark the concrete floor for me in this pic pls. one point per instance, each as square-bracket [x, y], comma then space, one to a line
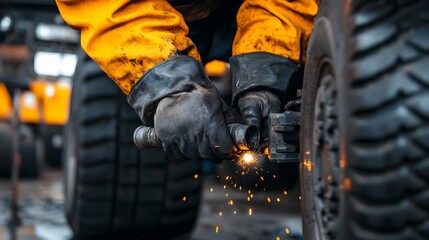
[42, 211]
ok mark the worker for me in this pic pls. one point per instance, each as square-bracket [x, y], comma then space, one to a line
[144, 47]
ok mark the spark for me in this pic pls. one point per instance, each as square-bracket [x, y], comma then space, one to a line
[251, 195]
[300, 198]
[231, 202]
[239, 188]
[235, 212]
[248, 199]
[285, 192]
[277, 238]
[268, 199]
[250, 212]
[226, 195]
[235, 185]
[262, 178]
[220, 214]
[347, 183]
[196, 176]
[217, 229]
[287, 231]
[249, 192]
[184, 199]
[248, 158]
[224, 186]
[274, 176]
[242, 173]
[211, 189]
[278, 199]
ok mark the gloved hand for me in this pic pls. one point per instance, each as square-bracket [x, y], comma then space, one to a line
[260, 80]
[183, 106]
[255, 106]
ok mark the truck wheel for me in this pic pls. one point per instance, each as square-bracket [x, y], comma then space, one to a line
[365, 117]
[31, 157]
[5, 149]
[112, 189]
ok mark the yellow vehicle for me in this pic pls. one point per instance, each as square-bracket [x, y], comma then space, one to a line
[40, 51]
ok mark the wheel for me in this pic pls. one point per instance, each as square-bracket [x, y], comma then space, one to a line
[31, 153]
[5, 149]
[31, 157]
[364, 123]
[53, 144]
[112, 189]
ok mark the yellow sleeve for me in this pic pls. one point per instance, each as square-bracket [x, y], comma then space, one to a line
[276, 26]
[128, 37]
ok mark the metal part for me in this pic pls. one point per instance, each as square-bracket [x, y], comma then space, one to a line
[244, 136]
[145, 138]
[284, 137]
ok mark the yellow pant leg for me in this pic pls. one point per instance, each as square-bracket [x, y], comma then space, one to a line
[276, 26]
[128, 37]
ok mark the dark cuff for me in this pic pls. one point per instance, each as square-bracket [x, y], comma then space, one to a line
[178, 74]
[260, 71]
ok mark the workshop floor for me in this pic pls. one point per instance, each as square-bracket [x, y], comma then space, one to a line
[42, 207]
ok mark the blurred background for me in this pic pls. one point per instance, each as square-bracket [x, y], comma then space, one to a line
[67, 160]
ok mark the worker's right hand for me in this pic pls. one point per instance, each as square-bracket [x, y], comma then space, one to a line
[183, 106]
[259, 80]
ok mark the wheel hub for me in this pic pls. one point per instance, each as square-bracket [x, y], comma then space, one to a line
[325, 157]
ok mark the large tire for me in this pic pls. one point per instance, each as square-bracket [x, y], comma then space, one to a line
[365, 118]
[112, 188]
[29, 149]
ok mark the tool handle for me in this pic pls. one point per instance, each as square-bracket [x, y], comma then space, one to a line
[245, 137]
[145, 138]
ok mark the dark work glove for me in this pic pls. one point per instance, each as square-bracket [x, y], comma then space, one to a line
[177, 99]
[255, 107]
[260, 80]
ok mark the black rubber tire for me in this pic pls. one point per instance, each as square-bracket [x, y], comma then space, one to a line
[5, 149]
[367, 78]
[113, 190]
[31, 159]
[52, 144]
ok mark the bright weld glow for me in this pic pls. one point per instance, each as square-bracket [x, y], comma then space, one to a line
[247, 159]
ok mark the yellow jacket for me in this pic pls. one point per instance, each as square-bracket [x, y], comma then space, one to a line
[127, 37]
